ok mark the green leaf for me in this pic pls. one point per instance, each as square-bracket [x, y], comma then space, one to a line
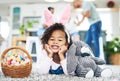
[113, 46]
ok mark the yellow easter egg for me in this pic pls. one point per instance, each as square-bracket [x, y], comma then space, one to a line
[17, 59]
[22, 63]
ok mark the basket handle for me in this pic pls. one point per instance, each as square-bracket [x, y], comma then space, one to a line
[16, 47]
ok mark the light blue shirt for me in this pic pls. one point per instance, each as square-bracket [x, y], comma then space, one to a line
[94, 16]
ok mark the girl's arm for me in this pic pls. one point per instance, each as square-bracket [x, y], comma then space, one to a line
[64, 66]
[44, 65]
[63, 61]
[46, 61]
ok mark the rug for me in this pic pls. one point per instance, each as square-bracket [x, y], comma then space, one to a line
[34, 76]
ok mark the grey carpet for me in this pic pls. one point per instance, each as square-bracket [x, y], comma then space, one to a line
[37, 77]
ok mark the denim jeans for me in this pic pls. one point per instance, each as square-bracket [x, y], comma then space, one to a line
[93, 35]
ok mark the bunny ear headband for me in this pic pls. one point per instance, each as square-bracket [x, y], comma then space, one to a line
[68, 35]
[64, 18]
[66, 15]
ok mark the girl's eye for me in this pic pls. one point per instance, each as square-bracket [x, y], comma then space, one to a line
[51, 39]
[59, 40]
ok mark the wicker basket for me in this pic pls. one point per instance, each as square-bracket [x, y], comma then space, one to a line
[20, 71]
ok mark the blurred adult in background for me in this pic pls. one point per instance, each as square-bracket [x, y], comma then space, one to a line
[94, 31]
[72, 27]
[43, 24]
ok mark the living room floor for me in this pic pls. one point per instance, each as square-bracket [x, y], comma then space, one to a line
[35, 76]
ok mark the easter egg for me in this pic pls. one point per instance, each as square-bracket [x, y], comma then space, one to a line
[9, 62]
[22, 63]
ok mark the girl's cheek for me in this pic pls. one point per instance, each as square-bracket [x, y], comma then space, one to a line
[49, 42]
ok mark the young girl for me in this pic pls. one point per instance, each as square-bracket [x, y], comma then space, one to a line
[56, 42]
[62, 55]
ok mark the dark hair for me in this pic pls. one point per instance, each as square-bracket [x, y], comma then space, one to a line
[47, 34]
[49, 8]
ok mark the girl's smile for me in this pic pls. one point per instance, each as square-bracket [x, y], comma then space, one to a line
[55, 47]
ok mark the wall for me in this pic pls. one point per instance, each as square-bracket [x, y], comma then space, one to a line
[4, 11]
[37, 10]
[32, 10]
[115, 24]
[102, 3]
[4, 7]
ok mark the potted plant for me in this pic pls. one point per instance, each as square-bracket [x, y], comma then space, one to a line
[29, 25]
[112, 49]
[22, 30]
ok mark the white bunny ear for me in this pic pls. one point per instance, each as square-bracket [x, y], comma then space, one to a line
[68, 35]
[66, 15]
[49, 20]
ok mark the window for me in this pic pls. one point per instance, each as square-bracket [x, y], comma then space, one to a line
[16, 17]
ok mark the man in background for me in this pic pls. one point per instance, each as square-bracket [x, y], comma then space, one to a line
[94, 31]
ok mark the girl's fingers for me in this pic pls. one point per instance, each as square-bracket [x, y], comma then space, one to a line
[50, 53]
[63, 48]
[46, 45]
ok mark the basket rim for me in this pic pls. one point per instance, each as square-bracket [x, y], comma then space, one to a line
[15, 47]
[14, 66]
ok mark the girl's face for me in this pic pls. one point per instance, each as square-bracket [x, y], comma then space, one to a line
[57, 40]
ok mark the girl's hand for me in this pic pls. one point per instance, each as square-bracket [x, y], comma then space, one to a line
[62, 51]
[49, 51]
